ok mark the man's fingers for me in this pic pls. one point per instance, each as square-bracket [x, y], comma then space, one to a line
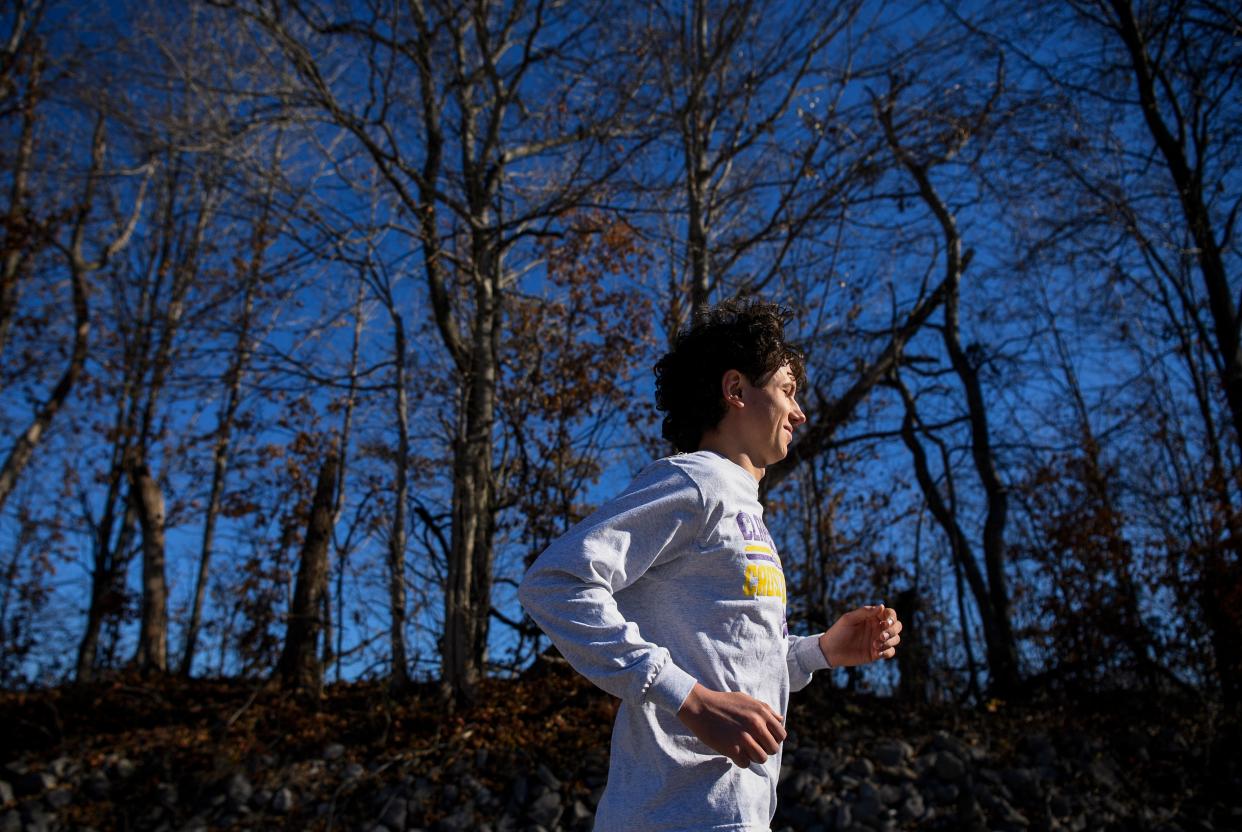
[765, 739]
[884, 647]
[753, 751]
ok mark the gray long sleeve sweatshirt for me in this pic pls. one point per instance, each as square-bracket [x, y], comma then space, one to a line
[674, 581]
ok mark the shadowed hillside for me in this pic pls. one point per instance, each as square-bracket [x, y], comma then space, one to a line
[215, 755]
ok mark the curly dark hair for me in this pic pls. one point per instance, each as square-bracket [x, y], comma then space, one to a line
[736, 334]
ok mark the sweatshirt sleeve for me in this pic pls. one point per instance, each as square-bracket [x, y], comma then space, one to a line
[804, 658]
[569, 589]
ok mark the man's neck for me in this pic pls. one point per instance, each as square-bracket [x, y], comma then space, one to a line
[720, 444]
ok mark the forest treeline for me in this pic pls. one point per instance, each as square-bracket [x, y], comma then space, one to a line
[319, 320]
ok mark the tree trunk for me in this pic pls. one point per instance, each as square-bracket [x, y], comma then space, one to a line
[219, 470]
[397, 534]
[22, 451]
[1222, 570]
[467, 598]
[817, 436]
[18, 233]
[299, 666]
[1002, 652]
[959, 546]
[152, 654]
[913, 660]
[695, 135]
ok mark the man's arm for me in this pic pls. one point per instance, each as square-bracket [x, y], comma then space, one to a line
[569, 590]
[742, 728]
[864, 635]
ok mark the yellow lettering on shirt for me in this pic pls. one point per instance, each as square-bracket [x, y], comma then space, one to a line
[764, 580]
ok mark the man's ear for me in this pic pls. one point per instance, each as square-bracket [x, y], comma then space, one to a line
[731, 388]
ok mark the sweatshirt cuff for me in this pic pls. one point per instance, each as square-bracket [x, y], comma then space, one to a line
[670, 687]
[808, 655]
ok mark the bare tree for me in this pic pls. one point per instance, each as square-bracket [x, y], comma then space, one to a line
[493, 160]
[80, 267]
[1137, 179]
[992, 595]
[152, 652]
[728, 96]
[299, 666]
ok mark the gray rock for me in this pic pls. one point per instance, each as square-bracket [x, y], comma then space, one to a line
[547, 809]
[1009, 817]
[166, 795]
[96, 785]
[903, 773]
[892, 752]
[198, 823]
[948, 767]
[549, 779]
[14, 769]
[486, 798]
[395, 814]
[6, 792]
[11, 821]
[34, 819]
[62, 767]
[988, 775]
[239, 790]
[579, 813]
[844, 818]
[861, 768]
[1039, 749]
[460, 821]
[353, 771]
[519, 791]
[282, 801]
[825, 806]
[58, 799]
[33, 782]
[123, 769]
[1024, 784]
[451, 793]
[333, 752]
[868, 805]
[912, 807]
[803, 784]
[1105, 774]
[1059, 805]
[971, 817]
[944, 741]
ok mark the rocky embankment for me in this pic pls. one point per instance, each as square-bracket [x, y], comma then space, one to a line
[535, 759]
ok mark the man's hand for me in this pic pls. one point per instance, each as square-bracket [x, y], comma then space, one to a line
[738, 726]
[861, 636]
